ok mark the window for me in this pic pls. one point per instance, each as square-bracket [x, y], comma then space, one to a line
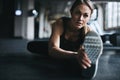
[112, 15]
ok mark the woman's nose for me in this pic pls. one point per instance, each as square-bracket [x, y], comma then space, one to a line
[81, 17]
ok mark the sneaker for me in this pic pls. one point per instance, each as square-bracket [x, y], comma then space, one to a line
[93, 47]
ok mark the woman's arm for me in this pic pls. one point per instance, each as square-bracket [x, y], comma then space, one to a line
[54, 42]
[56, 52]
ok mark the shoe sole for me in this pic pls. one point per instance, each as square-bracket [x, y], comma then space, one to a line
[93, 47]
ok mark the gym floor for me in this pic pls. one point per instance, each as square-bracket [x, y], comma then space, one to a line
[16, 63]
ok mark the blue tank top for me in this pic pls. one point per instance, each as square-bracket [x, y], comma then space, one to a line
[68, 44]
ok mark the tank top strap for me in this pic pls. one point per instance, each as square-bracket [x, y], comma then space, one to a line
[65, 25]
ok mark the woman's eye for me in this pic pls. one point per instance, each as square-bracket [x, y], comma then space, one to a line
[85, 15]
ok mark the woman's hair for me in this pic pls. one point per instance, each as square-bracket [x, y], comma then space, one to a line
[79, 2]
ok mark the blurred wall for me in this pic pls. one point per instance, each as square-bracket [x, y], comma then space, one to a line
[6, 18]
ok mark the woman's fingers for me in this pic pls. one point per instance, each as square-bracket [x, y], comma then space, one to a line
[83, 59]
[85, 63]
[86, 58]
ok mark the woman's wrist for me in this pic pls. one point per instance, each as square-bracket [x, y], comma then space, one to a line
[75, 53]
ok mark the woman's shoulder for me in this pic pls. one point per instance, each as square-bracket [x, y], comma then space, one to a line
[61, 21]
[59, 25]
[65, 18]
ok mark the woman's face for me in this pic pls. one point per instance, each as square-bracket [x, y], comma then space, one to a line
[80, 16]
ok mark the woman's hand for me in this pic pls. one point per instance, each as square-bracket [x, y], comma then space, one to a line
[83, 59]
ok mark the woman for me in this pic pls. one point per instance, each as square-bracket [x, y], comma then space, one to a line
[68, 34]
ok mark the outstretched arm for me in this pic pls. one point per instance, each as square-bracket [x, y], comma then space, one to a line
[57, 52]
[54, 42]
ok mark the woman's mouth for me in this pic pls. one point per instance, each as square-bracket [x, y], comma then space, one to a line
[78, 23]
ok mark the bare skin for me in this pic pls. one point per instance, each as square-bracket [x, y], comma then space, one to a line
[79, 18]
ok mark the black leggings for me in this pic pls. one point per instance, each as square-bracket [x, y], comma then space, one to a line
[68, 67]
